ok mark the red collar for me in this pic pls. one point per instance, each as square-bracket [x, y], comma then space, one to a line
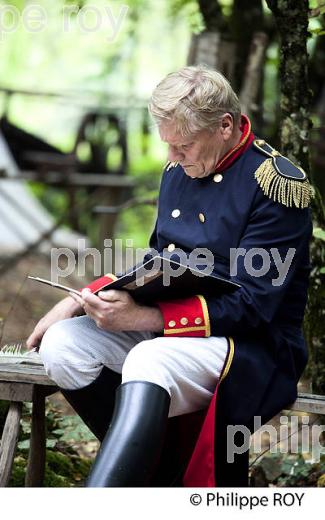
[245, 141]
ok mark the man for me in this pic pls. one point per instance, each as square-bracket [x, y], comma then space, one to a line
[227, 359]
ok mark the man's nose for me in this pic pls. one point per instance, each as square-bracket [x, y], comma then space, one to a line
[174, 154]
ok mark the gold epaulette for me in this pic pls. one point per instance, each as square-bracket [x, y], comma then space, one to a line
[281, 180]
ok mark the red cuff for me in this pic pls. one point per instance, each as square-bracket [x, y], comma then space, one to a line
[188, 317]
[100, 283]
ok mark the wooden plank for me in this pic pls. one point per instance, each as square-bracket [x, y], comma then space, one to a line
[9, 442]
[76, 179]
[12, 391]
[309, 403]
[306, 395]
[23, 373]
[22, 368]
[37, 451]
[106, 228]
[51, 160]
[305, 405]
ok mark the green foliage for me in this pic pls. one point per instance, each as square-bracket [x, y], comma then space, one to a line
[61, 470]
[318, 31]
[79, 3]
[18, 472]
[189, 9]
[55, 200]
[66, 428]
[72, 429]
[321, 481]
[319, 233]
[18, 4]
[59, 463]
[25, 444]
[137, 222]
[53, 479]
[292, 470]
[64, 466]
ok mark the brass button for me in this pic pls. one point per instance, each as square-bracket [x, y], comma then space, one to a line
[201, 217]
[171, 248]
[198, 321]
[260, 142]
[176, 213]
[171, 323]
[184, 321]
[218, 177]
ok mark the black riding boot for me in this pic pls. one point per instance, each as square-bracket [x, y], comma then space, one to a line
[131, 449]
[95, 402]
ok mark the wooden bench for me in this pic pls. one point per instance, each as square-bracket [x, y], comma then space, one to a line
[309, 403]
[21, 383]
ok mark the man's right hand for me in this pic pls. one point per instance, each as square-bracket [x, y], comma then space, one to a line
[66, 308]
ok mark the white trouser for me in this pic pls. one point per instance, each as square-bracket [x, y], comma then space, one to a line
[75, 350]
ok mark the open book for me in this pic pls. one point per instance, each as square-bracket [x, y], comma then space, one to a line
[17, 354]
[158, 279]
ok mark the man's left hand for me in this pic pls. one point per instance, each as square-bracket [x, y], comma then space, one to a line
[117, 311]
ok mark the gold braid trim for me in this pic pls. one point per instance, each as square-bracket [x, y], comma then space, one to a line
[289, 192]
[169, 165]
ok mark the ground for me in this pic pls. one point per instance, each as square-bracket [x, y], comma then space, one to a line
[23, 302]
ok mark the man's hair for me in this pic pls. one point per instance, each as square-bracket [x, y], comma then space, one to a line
[194, 99]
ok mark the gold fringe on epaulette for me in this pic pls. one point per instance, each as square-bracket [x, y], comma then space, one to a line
[289, 192]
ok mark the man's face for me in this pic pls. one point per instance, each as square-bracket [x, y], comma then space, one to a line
[199, 153]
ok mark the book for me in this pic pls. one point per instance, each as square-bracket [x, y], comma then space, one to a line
[157, 279]
[55, 285]
[13, 354]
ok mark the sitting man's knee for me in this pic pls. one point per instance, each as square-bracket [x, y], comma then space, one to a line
[57, 335]
[144, 362]
[56, 351]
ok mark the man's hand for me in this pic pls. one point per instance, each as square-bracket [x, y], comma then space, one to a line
[66, 308]
[117, 311]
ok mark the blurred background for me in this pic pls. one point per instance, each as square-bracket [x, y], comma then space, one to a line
[80, 159]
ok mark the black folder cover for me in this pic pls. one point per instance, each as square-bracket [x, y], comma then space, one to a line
[161, 278]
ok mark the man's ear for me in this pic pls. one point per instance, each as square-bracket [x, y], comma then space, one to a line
[227, 126]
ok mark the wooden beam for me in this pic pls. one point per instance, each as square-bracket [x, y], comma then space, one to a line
[23, 373]
[9, 442]
[13, 391]
[75, 179]
[309, 403]
[37, 449]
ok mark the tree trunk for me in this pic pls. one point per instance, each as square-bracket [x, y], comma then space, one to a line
[213, 47]
[317, 83]
[246, 19]
[292, 23]
[212, 15]
[226, 45]
[251, 97]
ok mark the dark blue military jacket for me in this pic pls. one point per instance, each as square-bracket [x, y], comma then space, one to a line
[264, 317]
